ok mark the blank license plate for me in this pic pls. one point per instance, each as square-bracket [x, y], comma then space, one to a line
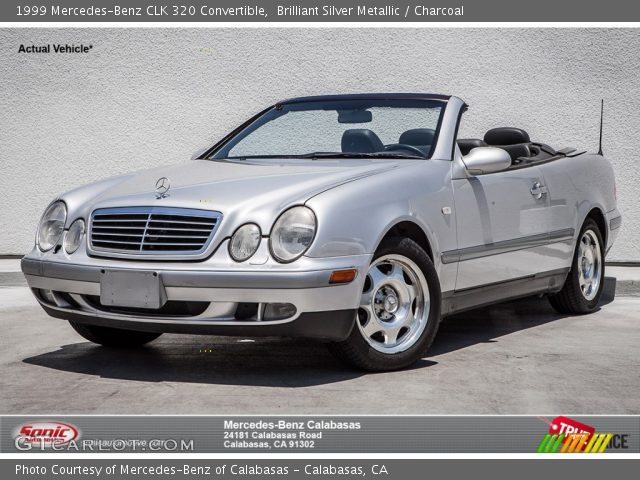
[132, 288]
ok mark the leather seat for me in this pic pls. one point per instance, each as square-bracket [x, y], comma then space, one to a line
[361, 140]
[467, 144]
[421, 138]
[506, 136]
[514, 141]
[517, 151]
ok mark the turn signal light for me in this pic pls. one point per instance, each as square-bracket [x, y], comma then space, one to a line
[343, 276]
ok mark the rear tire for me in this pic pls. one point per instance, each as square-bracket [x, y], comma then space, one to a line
[582, 289]
[399, 312]
[114, 337]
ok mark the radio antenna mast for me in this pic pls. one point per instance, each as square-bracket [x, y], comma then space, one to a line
[601, 119]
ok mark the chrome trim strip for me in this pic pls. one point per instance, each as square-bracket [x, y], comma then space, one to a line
[502, 283]
[505, 246]
[150, 254]
[562, 235]
[455, 301]
[615, 223]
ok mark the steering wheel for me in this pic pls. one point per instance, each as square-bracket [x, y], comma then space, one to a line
[403, 146]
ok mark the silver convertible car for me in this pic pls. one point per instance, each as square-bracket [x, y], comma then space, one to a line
[361, 220]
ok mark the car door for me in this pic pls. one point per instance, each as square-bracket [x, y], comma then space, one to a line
[564, 198]
[502, 222]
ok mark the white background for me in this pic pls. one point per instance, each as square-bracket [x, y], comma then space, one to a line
[149, 97]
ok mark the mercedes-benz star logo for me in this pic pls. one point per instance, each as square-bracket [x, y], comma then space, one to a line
[162, 187]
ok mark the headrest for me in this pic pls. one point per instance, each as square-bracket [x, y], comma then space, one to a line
[468, 144]
[506, 136]
[418, 136]
[361, 140]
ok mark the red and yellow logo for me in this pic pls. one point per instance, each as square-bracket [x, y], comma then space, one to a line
[569, 436]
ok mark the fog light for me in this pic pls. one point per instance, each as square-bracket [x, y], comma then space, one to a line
[278, 311]
[343, 276]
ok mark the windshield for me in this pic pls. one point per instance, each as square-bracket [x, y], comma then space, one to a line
[364, 128]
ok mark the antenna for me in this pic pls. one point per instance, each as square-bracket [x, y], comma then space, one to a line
[601, 119]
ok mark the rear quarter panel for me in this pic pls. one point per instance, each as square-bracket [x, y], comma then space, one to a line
[576, 186]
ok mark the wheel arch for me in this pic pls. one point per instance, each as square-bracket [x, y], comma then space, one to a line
[597, 216]
[409, 229]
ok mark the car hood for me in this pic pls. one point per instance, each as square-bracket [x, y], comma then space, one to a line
[252, 190]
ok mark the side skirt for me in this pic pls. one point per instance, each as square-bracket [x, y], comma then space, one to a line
[460, 300]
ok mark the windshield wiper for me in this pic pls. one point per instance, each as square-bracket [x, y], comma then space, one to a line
[250, 157]
[315, 155]
[358, 155]
[398, 155]
[336, 155]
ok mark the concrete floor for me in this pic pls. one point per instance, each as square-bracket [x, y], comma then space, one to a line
[515, 358]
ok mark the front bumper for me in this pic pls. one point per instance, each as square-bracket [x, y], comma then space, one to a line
[321, 310]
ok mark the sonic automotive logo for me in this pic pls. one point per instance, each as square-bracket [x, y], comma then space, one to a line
[43, 434]
[570, 436]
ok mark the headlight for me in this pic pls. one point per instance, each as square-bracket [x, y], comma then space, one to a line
[292, 234]
[51, 226]
[244, 242]
[74, 236]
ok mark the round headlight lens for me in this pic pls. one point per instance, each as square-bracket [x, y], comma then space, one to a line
[245, 242]
[74, 236]
[292, 234]
[51, 226]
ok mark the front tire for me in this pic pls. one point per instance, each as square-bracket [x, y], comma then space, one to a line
[582, 289]
[114, 337]
[399, 310]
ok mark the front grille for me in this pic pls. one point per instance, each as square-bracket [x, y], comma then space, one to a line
[152, 230]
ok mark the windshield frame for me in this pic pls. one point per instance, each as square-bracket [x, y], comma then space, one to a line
[363, 100]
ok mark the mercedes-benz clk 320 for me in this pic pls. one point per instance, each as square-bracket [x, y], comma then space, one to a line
[360, 220]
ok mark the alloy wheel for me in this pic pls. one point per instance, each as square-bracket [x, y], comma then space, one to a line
[394, 308]
[589, 265]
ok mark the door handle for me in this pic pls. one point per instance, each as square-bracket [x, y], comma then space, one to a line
[538, 190]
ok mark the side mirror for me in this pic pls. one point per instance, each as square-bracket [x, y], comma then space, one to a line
[483, 160]
[198, 153]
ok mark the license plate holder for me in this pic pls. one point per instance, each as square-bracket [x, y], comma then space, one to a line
[132, 288]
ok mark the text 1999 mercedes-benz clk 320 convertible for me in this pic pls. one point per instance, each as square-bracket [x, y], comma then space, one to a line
[357, 219]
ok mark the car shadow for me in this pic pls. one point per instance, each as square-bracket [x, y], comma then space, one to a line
[274, 362]
[205, 360]
[269, 362]
[488, 324]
